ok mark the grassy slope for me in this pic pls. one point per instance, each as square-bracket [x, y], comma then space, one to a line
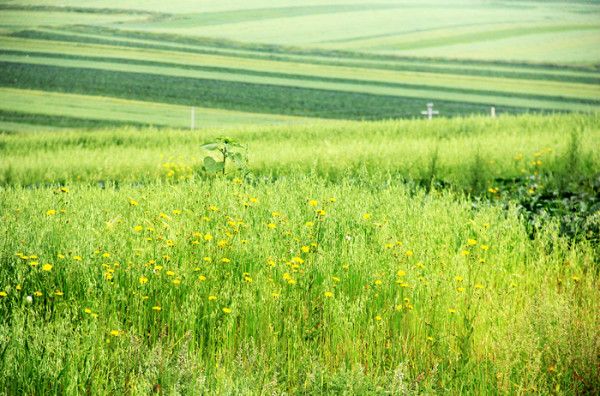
[314, 82]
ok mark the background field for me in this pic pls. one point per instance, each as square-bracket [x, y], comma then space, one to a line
[333, 60]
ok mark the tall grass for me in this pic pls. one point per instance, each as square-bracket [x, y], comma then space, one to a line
[505, 147]
[324, 277]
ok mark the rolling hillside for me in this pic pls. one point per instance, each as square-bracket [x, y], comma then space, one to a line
[138, 63]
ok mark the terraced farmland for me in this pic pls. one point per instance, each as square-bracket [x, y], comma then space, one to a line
[157, 63]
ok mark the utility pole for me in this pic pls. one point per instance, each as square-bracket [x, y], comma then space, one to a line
[193, 124]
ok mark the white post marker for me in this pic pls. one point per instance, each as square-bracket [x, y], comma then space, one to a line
[493, 111]
[193, 118]
[430, 112]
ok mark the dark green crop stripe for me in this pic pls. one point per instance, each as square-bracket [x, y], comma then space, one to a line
[257, 98]
[325, 60]
[305, 77]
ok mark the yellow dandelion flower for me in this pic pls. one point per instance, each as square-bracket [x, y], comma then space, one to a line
[133, 202]
[38, 293]
[177, 282]
[138, 228]
[226, 310]
[430, 338]
[275, 295]
[309, 224]
[576, 278]
[366, 216]
[63, 189]
[271, 263]
[313, 202]
[170, 273]
[33, 263]
[3, 293]
[87, 311]
[208, 237]
[47, 267]
[378, 318]
[305, 249]
[212, 298]
[247, 279]
[156, 308]
[222, 243]
[170, 243]
[378, 282]
[401, 273]
[409, 253]
[320, 212]
[225, 260]
[213, 208]
[59, 293]
[201, 278]
[484, 247]
[207, 259]
[176, 212]
[332, 199]
[458, 278]
[115, 333]
[77, 258]
[51, 212]
[465, 253]
[471, 242]
[452, 310]
[328, 294]
[460, 289]
[479, 286]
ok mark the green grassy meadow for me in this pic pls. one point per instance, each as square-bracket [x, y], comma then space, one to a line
[389, 257]
[338, 244]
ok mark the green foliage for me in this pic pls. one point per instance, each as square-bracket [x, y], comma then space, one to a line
[230, 151]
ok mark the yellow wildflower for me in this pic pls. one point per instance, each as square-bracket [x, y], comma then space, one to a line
[51, 212]
[47, 267]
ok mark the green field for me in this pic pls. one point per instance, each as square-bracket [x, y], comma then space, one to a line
[296, 60]
[312, 234]
[389, 257]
